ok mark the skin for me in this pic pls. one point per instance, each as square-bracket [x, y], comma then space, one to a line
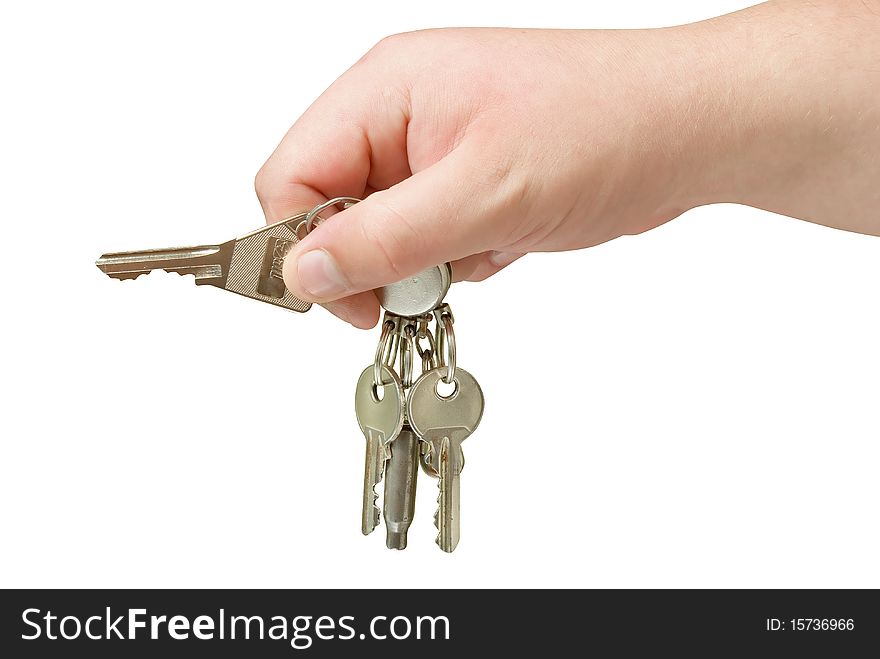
[477, 146]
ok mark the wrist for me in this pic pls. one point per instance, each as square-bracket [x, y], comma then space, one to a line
[735, 112]
[767, 100]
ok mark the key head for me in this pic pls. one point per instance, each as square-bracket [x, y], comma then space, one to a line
[418, 294]
[380, 410]
[256, 264]
[434, 416]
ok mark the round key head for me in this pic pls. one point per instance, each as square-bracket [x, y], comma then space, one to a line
[418, 294]
[456, 413]
[380, 409]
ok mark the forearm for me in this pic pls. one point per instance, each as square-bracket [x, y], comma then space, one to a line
[784, 111]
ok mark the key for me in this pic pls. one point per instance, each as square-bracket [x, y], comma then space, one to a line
[401, 470]
[250, 265]
[381, 420]
[401, 473]
[444, 422]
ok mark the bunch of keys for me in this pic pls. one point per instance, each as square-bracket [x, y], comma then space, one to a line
[406, 421]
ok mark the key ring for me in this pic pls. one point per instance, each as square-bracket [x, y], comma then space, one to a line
[407, 347]
[449, 341]
[446, 354]
[389, 354]
[427, 355]
[312, 215]
[391, 348]
[381, 349]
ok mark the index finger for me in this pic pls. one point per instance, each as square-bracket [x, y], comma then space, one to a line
[351, 139]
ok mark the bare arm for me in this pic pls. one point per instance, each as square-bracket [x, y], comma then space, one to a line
[798, 87]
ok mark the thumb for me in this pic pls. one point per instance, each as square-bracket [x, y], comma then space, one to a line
[427, 219]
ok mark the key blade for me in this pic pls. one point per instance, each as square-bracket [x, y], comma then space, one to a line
[447, 518]
[209, 264]
[374, 469]
[401, 472]
[250, 266]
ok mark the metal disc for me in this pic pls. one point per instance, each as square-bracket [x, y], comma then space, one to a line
[418, 294]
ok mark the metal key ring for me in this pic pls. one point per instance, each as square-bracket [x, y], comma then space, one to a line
[389, 355]
[380, 353]
[312, 215]
[449, 348]
[427, 355]
[407, 348]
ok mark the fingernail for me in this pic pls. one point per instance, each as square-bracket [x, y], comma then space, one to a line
[319, 275]
[501, 259]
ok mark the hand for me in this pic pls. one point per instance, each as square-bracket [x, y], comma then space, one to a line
[477, 146]
[474, 146]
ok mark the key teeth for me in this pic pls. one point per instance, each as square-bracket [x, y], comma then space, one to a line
[443, 473]
[372, 527]
[124, 276]
[184, 273]
[439, 459]
[121, 276]
[437, 516]
[376, 513]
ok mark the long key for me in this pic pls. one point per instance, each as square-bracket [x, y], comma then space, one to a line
[401, 474]
[250, 265]
[381, 420]
[444, 422]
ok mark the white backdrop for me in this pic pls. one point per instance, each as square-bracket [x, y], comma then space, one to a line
[697, 406]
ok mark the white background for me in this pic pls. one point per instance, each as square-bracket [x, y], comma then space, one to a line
[693, 407]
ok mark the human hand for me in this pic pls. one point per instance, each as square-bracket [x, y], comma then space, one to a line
[477, 146]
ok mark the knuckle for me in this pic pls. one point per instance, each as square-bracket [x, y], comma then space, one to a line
[382, 48]
[261, 183]
[388, 42]
[507, 184]
[498, 172]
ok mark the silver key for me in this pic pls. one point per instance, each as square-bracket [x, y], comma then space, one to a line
[401, 473]
[381, 421]
[250, 265]
[444, 423]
